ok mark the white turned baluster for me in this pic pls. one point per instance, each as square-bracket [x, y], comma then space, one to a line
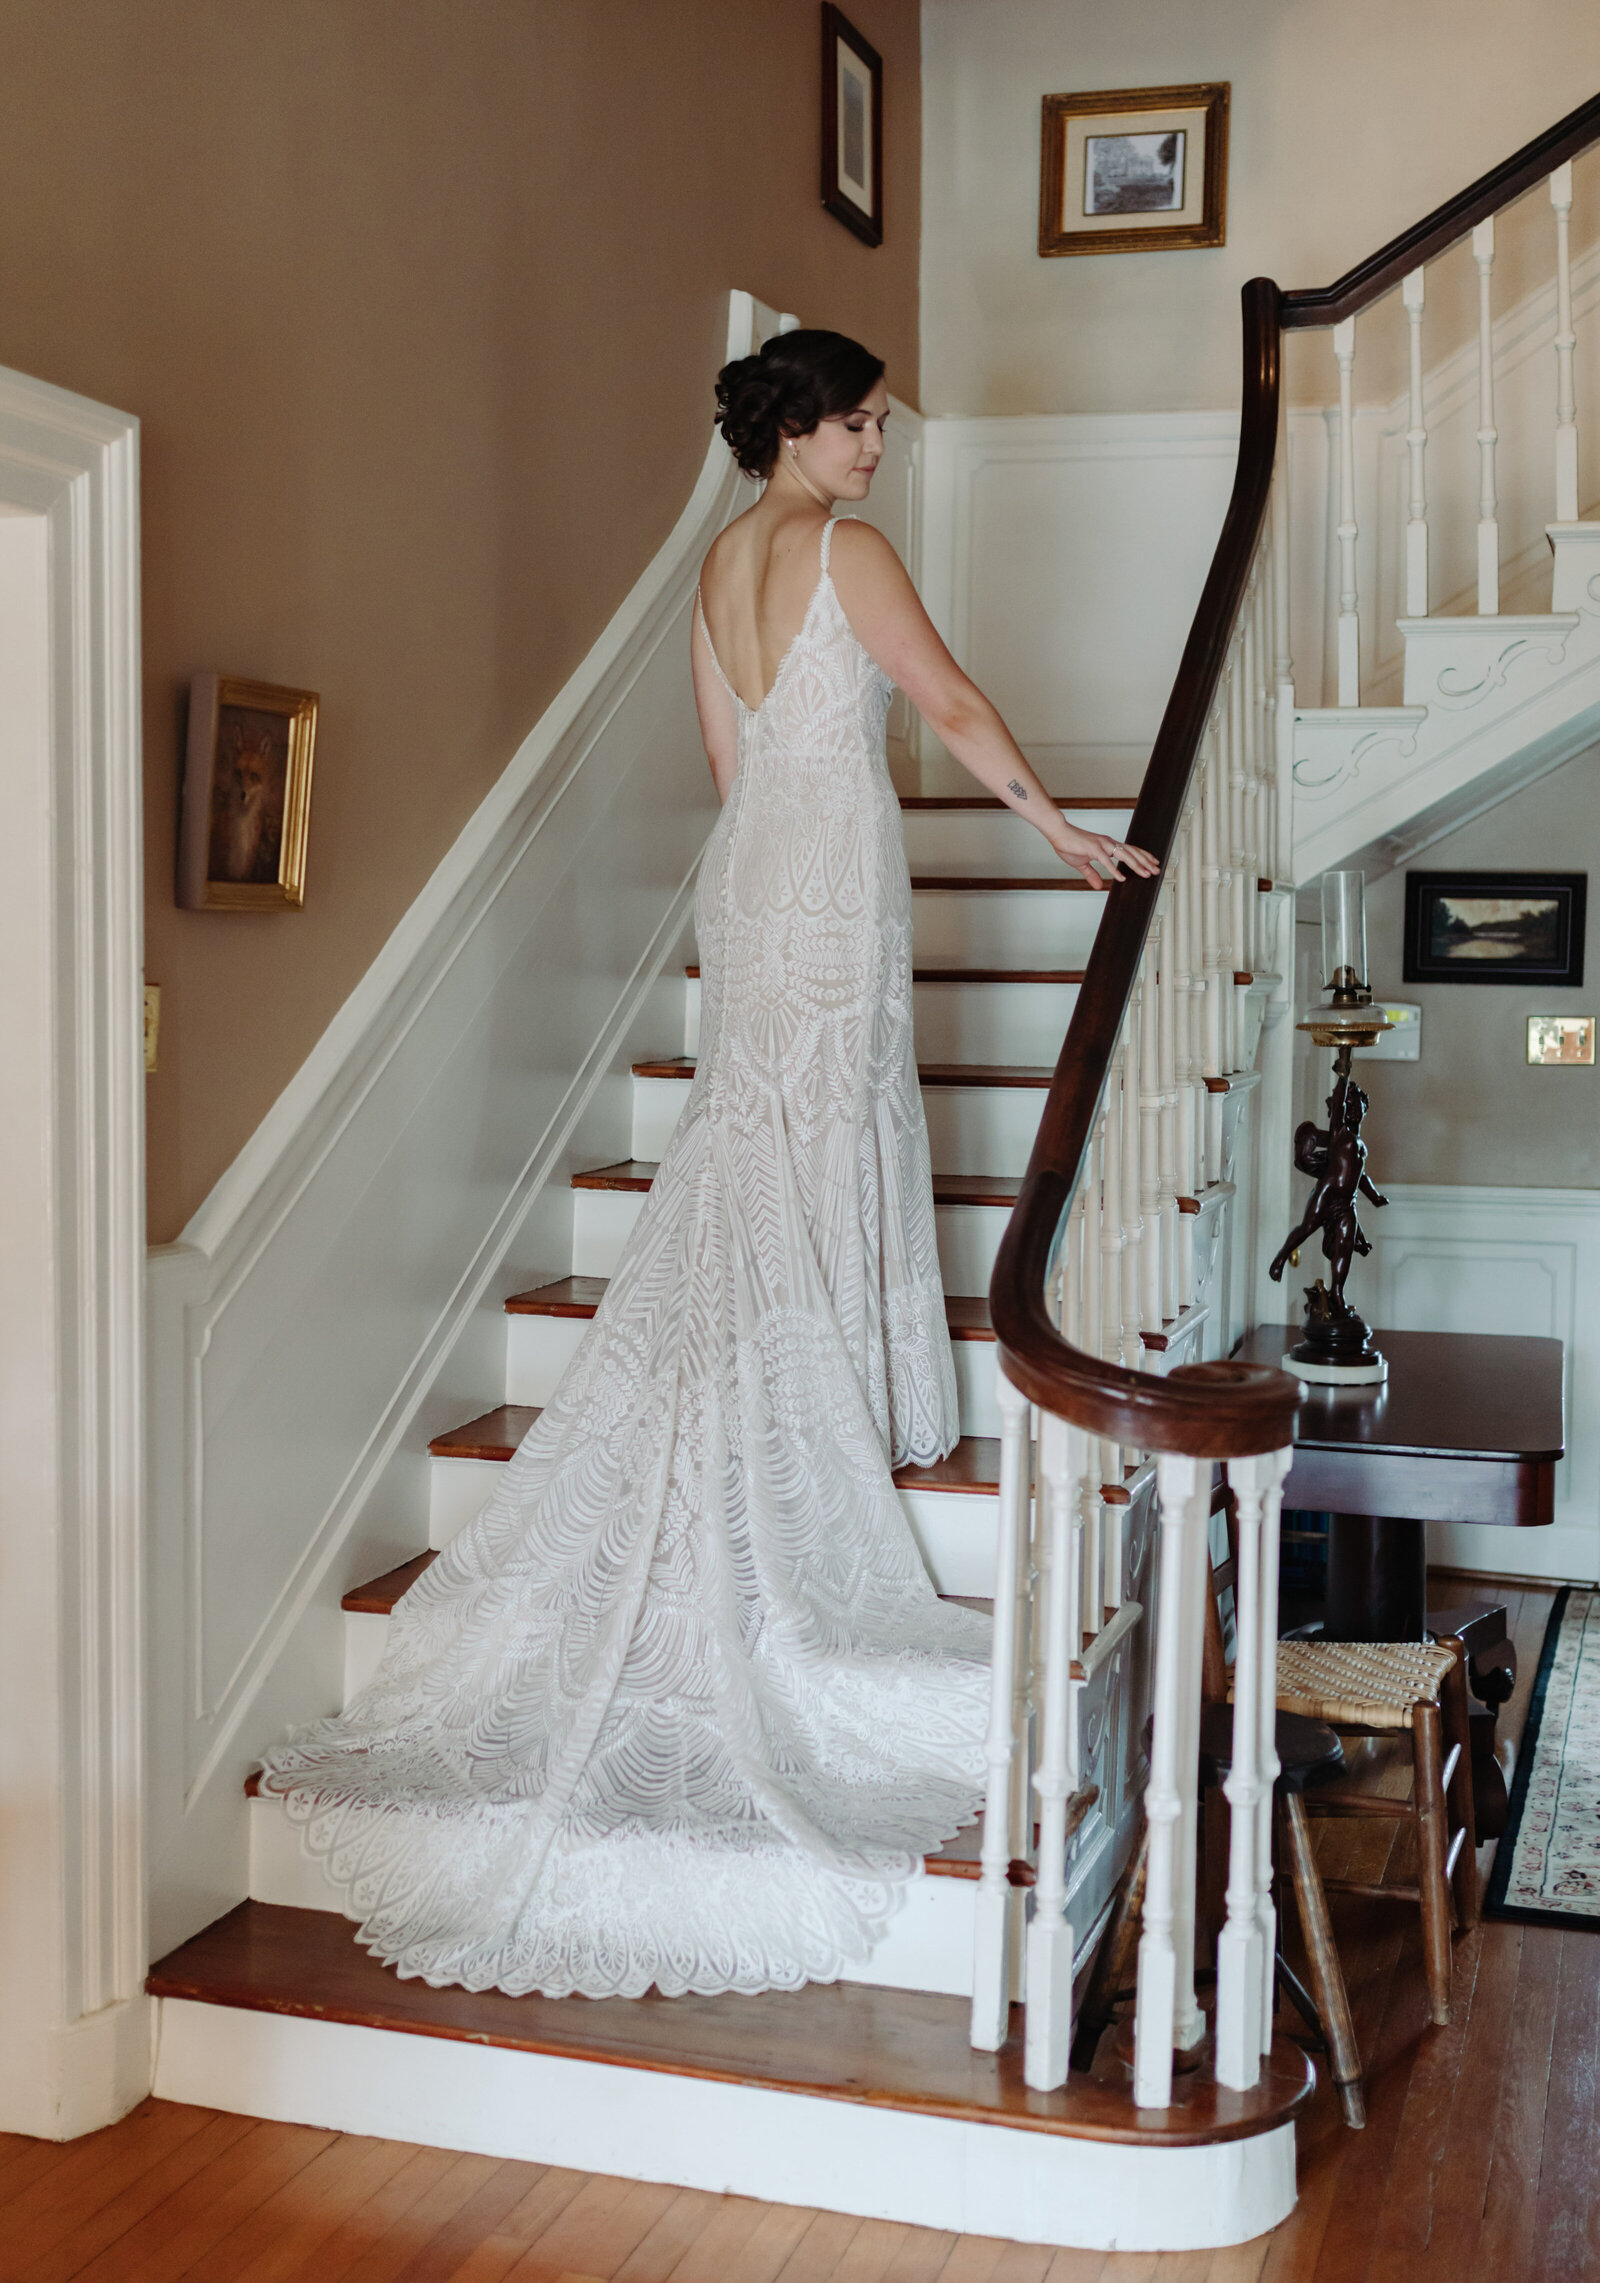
[1183, 1487]
[1218, 975]
[1239, 887]
[1132, 1219]
[1264, 1477]
[1198, 997]
[1282, 841]
[1048, 2033]
[1566, 342]
[1171, 981]
[994, 1910]
[1344, 349]
[1411, 293]
[1111, 1233]
[1239, 1976]
[1488, 523]
[1188, 2023]
[1151, 1312]
[1091, 1336]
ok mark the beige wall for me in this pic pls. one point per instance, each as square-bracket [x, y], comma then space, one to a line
[419, 304]
[1350, 120]
[1470, 1110]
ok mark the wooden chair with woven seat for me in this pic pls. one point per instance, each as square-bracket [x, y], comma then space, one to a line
[1416, 1690]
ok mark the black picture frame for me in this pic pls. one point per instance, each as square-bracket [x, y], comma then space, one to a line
[1446, 946]
[850, 59]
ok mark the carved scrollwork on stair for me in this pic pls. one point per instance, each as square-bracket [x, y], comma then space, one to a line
[1479, 667]
[1334, 743]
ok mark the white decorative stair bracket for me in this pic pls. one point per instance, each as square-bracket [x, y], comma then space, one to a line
[1489, 701]
[1096, 1276]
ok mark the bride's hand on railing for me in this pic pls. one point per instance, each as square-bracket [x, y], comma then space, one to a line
[1115, 859]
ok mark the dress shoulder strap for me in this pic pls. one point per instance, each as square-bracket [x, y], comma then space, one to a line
[827, 536]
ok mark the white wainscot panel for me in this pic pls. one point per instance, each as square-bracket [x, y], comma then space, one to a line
[1063, 557]
[1514, 1261]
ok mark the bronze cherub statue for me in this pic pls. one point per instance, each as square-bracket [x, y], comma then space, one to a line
[1336, 1159]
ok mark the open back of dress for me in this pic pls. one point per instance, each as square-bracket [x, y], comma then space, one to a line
[682, 1707]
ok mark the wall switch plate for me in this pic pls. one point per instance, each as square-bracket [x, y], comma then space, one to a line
[1401, 1044]
[152, 1023]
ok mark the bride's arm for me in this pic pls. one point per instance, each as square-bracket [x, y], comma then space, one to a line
[887, 617]
[719, 727]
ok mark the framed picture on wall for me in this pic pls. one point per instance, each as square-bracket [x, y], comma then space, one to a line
[1134, 170]
[1495, 927]
[246, 796]
[852, 127]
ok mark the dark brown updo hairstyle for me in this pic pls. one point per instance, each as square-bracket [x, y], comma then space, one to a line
[798, 380]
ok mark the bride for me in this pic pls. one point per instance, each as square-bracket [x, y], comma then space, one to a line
[682, 1707]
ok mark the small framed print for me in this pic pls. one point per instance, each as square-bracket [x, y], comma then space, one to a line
[1557, 1041]
[1134, 170]
[246, 796]
[1495, 927]
[852, 128]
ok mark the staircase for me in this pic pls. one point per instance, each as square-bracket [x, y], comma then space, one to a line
[876, 2088]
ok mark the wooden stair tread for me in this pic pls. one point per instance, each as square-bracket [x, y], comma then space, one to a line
[966, 1315]
[900, 2049]
[492, 1435]
[973, 974]
[974, 1464]
[378, 1596]
[637, 1173]
[931, 1073]
[566, 1296]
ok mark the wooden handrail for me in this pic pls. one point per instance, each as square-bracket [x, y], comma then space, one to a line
[1211, 1410]
[1381, 272]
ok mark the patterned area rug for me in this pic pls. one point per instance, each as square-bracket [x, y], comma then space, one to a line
[1547, 1866]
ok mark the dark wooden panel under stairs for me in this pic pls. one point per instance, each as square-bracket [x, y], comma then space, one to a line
[900, 2049]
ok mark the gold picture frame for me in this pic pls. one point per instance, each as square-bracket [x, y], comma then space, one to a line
[246, 796]
[1134, 170]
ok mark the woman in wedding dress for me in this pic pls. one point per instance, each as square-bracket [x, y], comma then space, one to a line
[682, 1708]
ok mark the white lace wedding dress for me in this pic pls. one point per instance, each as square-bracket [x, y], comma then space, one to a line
[682, 1707]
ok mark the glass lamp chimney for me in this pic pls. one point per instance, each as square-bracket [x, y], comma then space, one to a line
[1344, 939]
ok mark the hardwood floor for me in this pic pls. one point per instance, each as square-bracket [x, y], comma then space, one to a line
[1480, 2157]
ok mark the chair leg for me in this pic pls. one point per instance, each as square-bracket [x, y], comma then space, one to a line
[1113, 1961]
[1457, 1737]
[1433, 1850]
[1327, 1975]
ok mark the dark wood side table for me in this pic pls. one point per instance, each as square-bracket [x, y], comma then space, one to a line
[1468, 1427]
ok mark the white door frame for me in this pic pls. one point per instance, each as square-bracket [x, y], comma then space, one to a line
[74, 2027]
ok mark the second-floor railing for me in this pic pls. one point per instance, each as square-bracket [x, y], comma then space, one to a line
[1098, 1265]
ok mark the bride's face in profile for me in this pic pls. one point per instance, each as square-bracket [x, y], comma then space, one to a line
[841, 454]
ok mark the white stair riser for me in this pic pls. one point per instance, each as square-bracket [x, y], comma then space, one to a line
[992, 1022]
[649, 2124]
[657, 1107]
[969, 1235]
[955, 1529]
[538, 1351]
[982, 1129]
[975, 1395]
[927, 1946]
[984, 842]
[971, 1129]
[964, 1022]
[999, 927]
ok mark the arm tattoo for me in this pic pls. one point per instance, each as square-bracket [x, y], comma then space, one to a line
[1014, 787]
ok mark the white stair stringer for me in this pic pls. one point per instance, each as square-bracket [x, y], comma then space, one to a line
[1490, 705]
[918, 2163]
